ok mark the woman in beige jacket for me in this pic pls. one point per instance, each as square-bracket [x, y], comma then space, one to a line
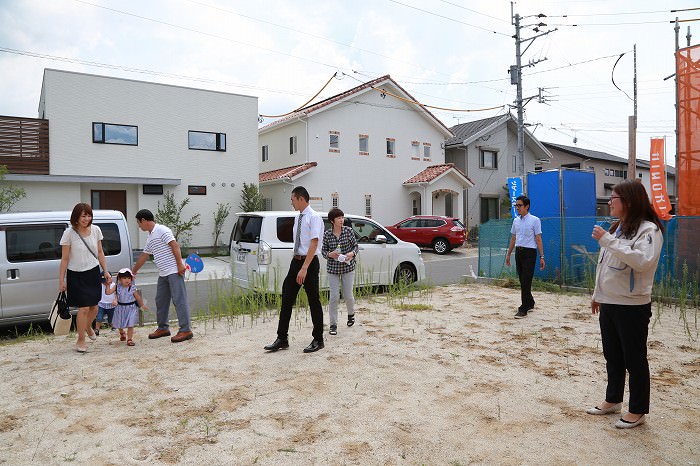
[629, 254]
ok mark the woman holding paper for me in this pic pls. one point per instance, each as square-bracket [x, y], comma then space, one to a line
[339, 249]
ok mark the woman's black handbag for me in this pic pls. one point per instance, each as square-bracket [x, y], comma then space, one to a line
[61, 306]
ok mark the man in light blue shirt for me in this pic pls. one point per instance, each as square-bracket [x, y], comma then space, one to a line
[526, 238]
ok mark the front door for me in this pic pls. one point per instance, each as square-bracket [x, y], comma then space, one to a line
[109, 199]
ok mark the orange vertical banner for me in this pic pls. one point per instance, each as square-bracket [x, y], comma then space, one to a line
[688, 169]
[657, 183]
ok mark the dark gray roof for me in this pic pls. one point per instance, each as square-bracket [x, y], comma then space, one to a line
[597, 155]
[467, 130]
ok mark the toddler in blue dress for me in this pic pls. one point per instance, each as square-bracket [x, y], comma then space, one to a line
[127, 301]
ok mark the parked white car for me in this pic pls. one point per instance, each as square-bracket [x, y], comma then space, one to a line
[262, 243]
[30, 256]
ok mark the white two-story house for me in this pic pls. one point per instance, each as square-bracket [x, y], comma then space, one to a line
[122, 144]
[372, 150]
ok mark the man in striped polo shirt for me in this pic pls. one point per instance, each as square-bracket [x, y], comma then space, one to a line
[171, 276]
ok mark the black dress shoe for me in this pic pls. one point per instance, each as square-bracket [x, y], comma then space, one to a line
[315, 345]
[278, 344]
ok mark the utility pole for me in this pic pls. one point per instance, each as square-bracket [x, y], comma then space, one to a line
[632, 162]
[516, 78]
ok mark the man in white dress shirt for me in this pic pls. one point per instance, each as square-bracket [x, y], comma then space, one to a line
[303, 270]
[526, 238]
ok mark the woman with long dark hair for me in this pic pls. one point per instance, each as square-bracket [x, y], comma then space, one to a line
[629, 254]
[79, 273]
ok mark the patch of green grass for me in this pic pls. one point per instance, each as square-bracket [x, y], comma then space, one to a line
[413, 307]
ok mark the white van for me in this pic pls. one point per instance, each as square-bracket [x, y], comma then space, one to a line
[30, 256]
[261, 250]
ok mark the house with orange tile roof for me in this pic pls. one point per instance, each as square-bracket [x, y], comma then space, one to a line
[372, 150]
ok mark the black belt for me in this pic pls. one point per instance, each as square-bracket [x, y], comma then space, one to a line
[521, 248]
[126, 304]
[297, 257]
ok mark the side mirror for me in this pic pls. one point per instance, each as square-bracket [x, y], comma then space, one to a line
[380, 239]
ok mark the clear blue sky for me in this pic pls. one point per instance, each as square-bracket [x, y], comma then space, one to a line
[453, 54]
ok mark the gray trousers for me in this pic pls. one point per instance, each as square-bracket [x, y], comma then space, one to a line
[334, 282]
[172, 288]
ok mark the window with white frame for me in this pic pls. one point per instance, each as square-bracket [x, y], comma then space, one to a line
[390, 147]
[415, 150]
[415, 207]
[488, 159]
[334, 200]
[292, 145]
[334, 141]
[368, 205]
[265, 153]
[426, 151]
[268, 203]
[364, 144]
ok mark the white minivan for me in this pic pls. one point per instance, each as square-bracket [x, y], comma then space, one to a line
[30, 256]
[262, 243]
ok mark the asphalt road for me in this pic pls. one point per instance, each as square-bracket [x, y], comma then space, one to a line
[451, 267]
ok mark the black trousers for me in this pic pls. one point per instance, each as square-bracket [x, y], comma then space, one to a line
[624, 331]
[525, 259]
[290, 290]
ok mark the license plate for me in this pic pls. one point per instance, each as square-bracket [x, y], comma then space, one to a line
[240, 257]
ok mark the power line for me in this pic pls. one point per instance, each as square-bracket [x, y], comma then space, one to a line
[185, 28]
[474, 11]
[315, 36]
[448, 18]
[141, 70]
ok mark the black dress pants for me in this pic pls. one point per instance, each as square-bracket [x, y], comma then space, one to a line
[290, 290]
[624, 331]
[525, 259]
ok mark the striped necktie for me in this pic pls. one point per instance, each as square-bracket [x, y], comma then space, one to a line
[297, 239]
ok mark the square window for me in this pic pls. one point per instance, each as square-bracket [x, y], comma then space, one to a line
[488, 159]
[415, 149]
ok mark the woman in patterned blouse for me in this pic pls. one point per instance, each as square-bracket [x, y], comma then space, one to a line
[339, 249]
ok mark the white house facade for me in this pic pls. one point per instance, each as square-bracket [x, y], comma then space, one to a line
[122, 144]
[360, 151]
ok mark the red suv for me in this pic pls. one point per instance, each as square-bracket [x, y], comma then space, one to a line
[431, 231]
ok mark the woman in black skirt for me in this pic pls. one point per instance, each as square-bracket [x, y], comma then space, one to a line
[81, 259]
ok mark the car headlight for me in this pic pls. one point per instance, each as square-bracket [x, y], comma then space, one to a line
[264, 253]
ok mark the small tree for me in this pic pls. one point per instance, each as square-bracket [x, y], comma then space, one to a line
[251, 199]
[220, 215]
[170, 215]
[9, 195]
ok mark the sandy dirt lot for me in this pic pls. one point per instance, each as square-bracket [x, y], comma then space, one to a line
[446, 377]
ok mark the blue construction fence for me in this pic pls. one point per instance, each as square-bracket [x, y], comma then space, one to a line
[572, 253]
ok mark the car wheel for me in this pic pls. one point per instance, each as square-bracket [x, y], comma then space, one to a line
[405, 274]
[441, 246]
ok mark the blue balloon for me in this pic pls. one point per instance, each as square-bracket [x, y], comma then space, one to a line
[195, 263]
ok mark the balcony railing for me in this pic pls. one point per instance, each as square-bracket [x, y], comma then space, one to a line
[24, 145]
